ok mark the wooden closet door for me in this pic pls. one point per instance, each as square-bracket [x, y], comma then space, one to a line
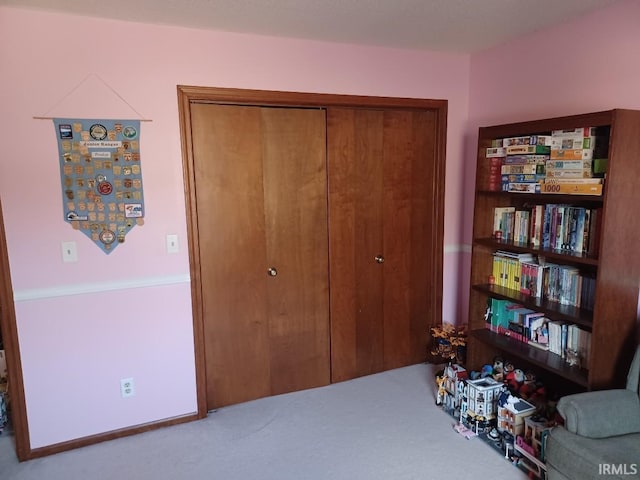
[409, 183]
[295, 192]
[355, 170]
[379, 189]
[260, 189]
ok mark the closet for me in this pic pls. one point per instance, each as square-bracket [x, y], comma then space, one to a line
[9, 336]
[315, 234]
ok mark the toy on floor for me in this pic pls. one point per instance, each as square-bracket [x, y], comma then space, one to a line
[464, 431]
[440, 381]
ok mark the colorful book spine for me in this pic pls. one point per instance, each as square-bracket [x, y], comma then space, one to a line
[566, 173]
[522, 177]
[571, 188]
[571, 154]
[528, 149]
[526, 160]
[569, 164]
[522, 187]
[493, 152]
[528, 169]
[528, 140]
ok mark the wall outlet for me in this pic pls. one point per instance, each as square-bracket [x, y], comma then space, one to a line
[172, 244]
[69, 252]
[127, 388]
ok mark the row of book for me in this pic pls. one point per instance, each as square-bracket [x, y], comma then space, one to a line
[562, 284]
[550, 226]
[567, 161]
[536, 329]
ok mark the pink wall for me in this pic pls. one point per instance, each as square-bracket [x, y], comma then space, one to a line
[585, 65]
[84, 326]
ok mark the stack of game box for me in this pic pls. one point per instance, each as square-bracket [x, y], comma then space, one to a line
[570, 168]
[494, 156]
[524, 163]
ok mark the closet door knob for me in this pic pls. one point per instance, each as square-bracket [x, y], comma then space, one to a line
[272, 272]
[379, 259]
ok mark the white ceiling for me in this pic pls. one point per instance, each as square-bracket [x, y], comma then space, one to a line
[463, 26]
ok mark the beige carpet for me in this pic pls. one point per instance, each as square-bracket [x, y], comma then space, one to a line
[380, 427]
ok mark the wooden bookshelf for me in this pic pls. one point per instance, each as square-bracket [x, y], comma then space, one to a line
[616, 265]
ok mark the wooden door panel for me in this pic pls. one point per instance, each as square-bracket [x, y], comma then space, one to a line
[408, 153]
[231, 230]
[397, 209]
[297, 246]
[380, 202]
[354, 143]
[423, 236]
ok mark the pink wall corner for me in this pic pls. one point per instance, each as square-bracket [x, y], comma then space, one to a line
[585, 65]
[94, 339]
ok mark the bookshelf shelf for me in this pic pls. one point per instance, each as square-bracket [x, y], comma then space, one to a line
[540, 358]
[560, 256]
[555, 310]
[547, 197]
[613, 262]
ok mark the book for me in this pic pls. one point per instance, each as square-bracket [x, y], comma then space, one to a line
[570, 188]
[574, 181]
[571, 154]
[488, 174]
[546, 226]
[569, 164]
[531, 321]
[535, 236]
[521, 257]
[563, 173]
[521, 228]
[526, 159]
[527, 149]
[522, 169]
[579, 340]
[555, 336]
[539, 331]
[527, 140]
[500, 221]
[599, 166]
[573, 142]
[581, 218]
[572, 132]
[532, 277]
[498, 309]
[495, 152]
[522, 177]
[522, 187]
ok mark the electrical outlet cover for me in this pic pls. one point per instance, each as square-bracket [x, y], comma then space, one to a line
[127, 388]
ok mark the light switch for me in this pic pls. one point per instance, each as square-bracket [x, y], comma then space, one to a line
[172, 244]
[69, 252]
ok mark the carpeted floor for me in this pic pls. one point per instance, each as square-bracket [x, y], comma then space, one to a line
[379, 427]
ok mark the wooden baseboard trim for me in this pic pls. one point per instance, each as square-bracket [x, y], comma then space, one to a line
[103, 437]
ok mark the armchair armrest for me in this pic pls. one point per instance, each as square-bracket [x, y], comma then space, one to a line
[601, 414]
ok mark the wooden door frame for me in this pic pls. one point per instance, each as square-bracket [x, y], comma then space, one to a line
[233, 96]
[12, 351]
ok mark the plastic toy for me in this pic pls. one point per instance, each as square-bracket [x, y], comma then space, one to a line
[440, 381]
[498, 369]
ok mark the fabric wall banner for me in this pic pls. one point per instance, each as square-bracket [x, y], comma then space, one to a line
[101, 177]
